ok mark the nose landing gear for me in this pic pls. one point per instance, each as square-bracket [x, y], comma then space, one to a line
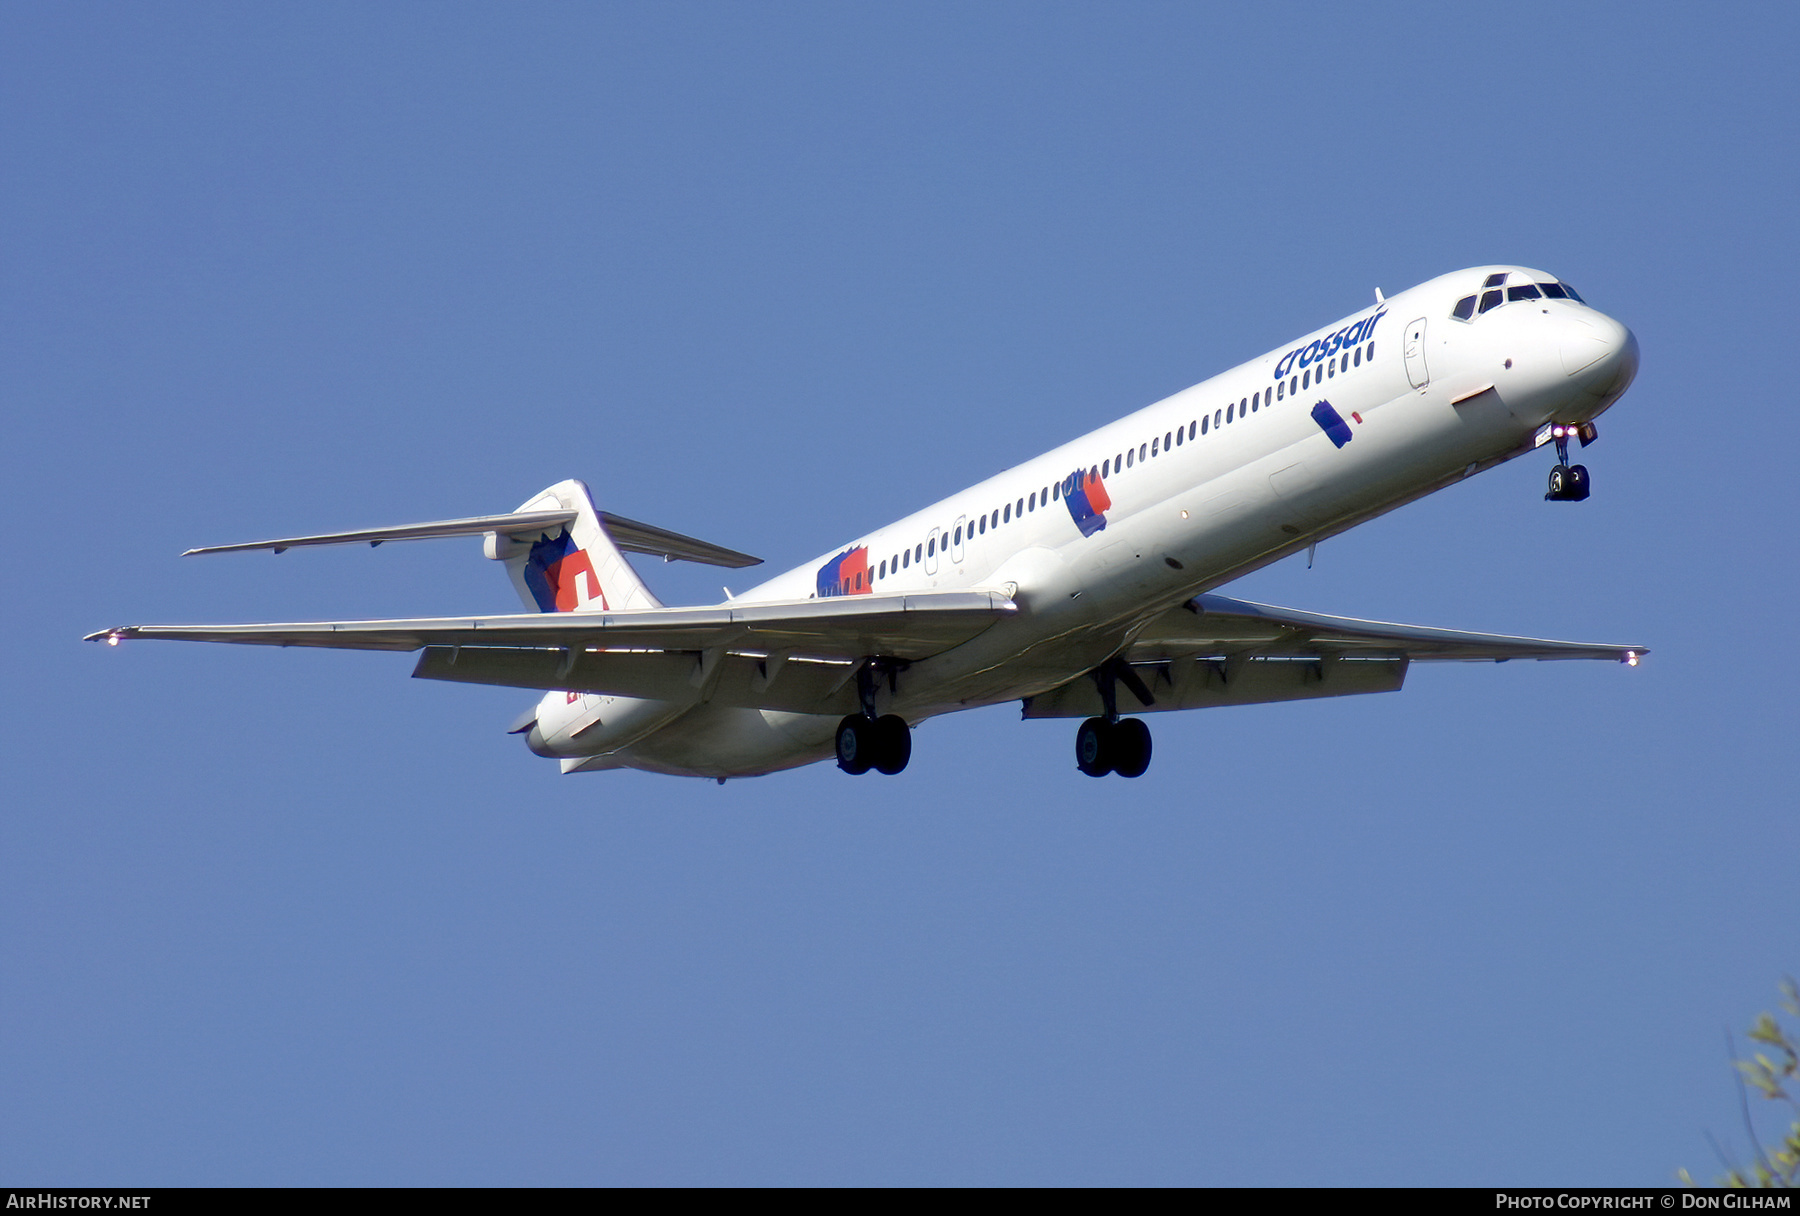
[1569, 483]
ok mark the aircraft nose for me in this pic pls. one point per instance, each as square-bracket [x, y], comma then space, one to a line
[1595, 349]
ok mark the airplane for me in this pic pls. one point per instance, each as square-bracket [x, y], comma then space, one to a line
[1081, 583]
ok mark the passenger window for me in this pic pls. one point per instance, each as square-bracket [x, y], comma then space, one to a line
[931, 547]
[1293, 384]
[1371, 352]
[1020, 509]
[1358, 362]
[1218, 419]
[1153, 444]
[1191, 427]
[1203, 423]
[1142, 449]
[981, 527]
[1490, 299]
[1465, 308]
[1006, 514]
[1180, 436]
[1106, 468]
[1331, 368]
[1094, 473]
[1524, 291]
[1056, 491]
[883, 572]
[1280, 391]
[918, 552]
[906, 559]
[1228, 413]
[1305, 381]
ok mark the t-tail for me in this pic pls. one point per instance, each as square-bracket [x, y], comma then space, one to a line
[573, 566]
[562, 554]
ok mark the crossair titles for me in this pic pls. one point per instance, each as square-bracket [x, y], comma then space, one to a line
[1326, 347]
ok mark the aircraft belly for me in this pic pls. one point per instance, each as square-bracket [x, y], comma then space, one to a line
[717, 741]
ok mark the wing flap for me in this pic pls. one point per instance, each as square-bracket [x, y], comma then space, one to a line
[1188, 683]
[748, 680]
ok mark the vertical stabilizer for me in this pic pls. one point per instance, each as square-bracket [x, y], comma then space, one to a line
[574, 567]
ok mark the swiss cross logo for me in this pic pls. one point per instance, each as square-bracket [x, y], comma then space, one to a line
[561, 577]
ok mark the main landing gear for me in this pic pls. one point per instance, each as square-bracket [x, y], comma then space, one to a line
[1110, 744]
[883, 744]
[1121, 747]
[1569, 483]
[865, 741]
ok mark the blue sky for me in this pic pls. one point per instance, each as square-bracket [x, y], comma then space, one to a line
[773, 275]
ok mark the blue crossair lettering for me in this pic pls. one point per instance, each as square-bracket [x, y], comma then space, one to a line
[1324, 348]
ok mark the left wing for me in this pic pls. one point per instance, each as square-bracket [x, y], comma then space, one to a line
[791, 654]
[1215, 650]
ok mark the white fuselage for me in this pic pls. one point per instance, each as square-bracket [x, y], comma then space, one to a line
[1336, 427]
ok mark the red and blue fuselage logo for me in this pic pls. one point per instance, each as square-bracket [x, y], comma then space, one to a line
[1088, 502]
[1333, 424]
[554, 571]
[846, 574]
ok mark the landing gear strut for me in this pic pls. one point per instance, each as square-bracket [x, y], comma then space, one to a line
[1569, 483]
[1110, 744]
[865, 741]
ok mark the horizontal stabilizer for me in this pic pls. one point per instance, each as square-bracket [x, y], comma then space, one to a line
[628, 534]
[522, 523]
[634, 537]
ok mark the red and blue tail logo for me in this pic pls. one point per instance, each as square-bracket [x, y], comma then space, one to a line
[555, 571]
[1087, 500]
[846, 574]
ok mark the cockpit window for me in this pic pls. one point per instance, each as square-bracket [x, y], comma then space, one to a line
[1465, 308]
[1572, 293]
[1523, 291]
[1491, 299]
[1553, 290]
[1494, 280]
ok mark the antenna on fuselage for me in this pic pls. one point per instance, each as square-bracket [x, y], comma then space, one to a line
[1379, 298]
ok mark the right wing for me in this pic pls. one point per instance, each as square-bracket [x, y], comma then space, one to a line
[798, 655]
[1215, 650]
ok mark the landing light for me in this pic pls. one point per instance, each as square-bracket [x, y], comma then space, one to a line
[1631, 658]
[112, 639]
